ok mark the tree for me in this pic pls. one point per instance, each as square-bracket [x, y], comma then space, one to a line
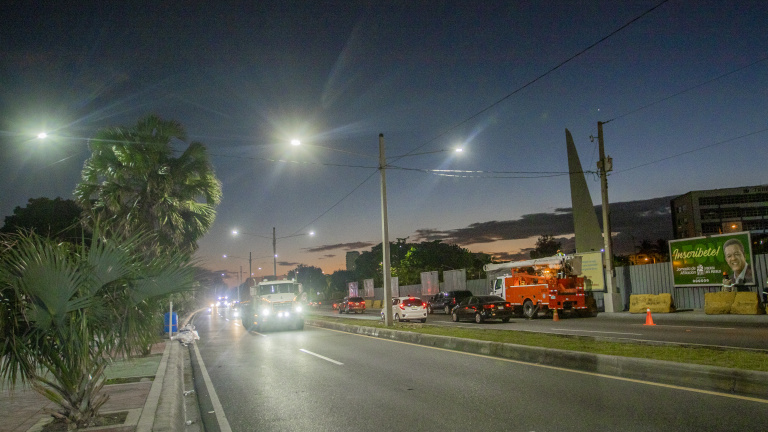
[430, 256]
[54, 218]
[311, 278]
[133, 183]
[69, 309]
[546, 246]
[338, 282]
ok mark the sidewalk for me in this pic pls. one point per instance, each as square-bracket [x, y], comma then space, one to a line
[24, 409]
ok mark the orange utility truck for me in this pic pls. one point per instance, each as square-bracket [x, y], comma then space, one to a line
[544, 285]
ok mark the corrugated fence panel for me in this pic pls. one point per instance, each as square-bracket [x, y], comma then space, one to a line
[657, 279]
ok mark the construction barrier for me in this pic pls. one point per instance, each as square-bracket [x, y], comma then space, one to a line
[718, 303]
[377, 304]
[368, 304]
[746, 303]
[657, 303]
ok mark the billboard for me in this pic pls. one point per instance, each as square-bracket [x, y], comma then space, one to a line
[592, 270]
[701, 261]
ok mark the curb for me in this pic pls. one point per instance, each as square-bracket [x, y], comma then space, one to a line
[712, 378]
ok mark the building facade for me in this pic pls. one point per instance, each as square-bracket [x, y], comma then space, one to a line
[721, 211]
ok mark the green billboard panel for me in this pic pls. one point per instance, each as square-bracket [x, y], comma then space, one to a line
[702, 261]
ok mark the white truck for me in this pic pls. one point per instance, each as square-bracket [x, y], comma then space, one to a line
[272, 305]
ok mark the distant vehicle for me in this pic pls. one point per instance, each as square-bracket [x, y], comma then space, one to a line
[352, 304]
[483, 308]
[233, 311]
[408, 309]
[446, 301]
[273, 304]
[335, 304]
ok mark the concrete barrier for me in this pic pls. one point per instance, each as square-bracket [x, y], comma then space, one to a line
[746, 303]
[748, 383]
[657, 303]
[717, 303]
[739, 303]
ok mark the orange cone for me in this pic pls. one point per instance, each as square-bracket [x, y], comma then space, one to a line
[555, 316]
[648, 318]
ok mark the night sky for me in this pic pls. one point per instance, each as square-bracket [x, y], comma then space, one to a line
[683, 87]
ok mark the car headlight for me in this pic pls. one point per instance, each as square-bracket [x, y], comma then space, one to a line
[265, 311]
[298, 308]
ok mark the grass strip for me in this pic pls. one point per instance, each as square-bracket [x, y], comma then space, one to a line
[708, 356]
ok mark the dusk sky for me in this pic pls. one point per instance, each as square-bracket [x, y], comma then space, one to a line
[683, 87]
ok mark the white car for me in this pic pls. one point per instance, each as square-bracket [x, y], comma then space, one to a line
[407, 309]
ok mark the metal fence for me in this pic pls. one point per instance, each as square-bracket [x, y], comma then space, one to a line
[640, 279]
[657, 279]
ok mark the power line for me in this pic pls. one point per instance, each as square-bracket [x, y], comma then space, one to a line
[688, 89]
[529, 83]
[694, 150]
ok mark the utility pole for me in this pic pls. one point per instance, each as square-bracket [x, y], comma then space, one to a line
[611, 299]
[385, 235]
[274, 251]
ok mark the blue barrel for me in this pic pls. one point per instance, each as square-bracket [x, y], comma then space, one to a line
[174, 323]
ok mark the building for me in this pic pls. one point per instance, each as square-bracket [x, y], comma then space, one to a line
[721, 211]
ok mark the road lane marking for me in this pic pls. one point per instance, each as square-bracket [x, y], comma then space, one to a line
[322, 357]
[220, 417]
[696, 327]
[594, 374]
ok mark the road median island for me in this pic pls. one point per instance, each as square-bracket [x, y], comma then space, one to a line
[752, 383]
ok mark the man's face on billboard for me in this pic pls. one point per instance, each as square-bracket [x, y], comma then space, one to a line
[734, 256]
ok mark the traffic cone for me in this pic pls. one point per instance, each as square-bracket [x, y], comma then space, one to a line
[648, 318]
[555, 316]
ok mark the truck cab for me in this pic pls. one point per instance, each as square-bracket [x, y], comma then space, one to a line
[274, 304]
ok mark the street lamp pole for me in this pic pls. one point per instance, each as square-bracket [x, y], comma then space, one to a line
[385, 235]
[274, 252]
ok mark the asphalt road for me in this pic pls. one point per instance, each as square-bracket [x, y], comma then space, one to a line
[691, 328]
[323, 380]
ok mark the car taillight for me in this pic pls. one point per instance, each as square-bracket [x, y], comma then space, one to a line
[490, 306]
[507, 305]
[402, 306]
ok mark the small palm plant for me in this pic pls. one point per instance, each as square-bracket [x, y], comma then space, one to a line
[68, 310]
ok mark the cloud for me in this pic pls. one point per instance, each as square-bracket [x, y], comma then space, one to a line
[639, 220]
[346, 246]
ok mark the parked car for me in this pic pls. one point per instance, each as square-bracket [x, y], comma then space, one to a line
[481, 308]
[352, 304]
[407, 309]
[446, 301]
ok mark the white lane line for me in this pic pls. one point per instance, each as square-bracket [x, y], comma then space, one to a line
[575, 371]
[217, 408]
[322, 357]
[595, 331]
[697, 327]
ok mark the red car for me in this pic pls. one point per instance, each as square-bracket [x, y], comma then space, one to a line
[352, 304]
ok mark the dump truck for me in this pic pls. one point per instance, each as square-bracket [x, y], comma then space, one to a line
[544, 285]
[273, 305]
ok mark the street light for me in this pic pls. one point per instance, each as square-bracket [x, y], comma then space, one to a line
[274, 243]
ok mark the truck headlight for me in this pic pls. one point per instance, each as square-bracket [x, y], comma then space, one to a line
[298, 308]
[265, 311]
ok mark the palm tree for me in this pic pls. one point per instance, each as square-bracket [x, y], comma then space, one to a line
[68, 310]
[134, 183]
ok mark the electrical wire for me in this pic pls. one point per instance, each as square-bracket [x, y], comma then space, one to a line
[531, 82]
